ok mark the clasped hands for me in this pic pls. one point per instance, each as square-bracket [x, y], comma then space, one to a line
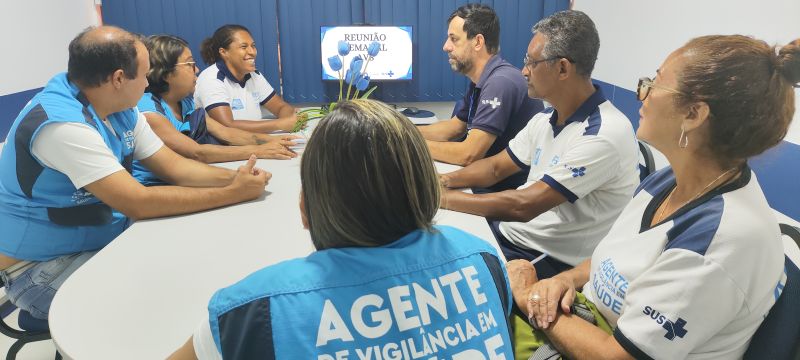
[540, 300]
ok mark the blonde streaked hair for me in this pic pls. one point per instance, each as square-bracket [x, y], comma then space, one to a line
[367, 177]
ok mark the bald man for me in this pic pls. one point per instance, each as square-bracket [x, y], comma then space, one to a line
[66, 188]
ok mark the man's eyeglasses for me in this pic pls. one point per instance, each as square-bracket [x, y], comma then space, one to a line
[527, 61]
[192, 64]
[646, 83]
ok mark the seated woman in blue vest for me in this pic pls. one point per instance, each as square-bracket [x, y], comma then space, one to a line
[694, 263]
[384, 281]
[169, 108]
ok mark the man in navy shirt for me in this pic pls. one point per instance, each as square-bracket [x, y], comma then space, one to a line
[495, 106]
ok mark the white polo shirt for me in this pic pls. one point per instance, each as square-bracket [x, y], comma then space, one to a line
[216, 86]
[593, 160]
[697, 285]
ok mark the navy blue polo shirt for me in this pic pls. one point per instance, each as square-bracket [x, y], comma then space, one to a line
[499, 104]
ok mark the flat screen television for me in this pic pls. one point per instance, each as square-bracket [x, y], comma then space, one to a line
[393, 62]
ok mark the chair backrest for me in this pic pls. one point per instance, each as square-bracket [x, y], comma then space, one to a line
[778, 337]
[649, 165]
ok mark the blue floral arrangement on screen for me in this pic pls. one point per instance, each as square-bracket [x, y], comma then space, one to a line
[355, 76]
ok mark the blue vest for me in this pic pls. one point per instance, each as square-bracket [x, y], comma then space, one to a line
[152, 103]
[42, 215]
[426, 295]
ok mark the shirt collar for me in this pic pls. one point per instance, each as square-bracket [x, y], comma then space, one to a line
[228, 74]
[494, 62]
[583, 111]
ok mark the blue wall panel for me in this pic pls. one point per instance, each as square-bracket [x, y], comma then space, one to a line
[296, 24]
[197, 20]
[300, 22]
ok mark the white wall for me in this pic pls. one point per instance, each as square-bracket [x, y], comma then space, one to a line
[36, 34]
[637, 35]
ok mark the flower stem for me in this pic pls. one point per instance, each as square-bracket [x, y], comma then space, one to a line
[340, 83]
[350, 84]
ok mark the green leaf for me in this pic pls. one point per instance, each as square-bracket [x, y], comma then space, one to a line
[369, 92]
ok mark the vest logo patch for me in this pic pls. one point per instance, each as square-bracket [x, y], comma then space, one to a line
[81, 196]
[673, 328]
[128, 139]
[237, 104]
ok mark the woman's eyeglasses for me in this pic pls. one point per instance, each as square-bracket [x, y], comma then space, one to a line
[646, 83]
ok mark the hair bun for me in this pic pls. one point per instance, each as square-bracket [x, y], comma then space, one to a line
[789, 61]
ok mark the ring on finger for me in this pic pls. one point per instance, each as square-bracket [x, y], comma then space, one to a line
[535, 298]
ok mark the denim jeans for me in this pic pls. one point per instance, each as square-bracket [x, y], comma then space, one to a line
[33, 290]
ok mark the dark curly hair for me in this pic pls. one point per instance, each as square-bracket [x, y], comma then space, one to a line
[222, 38]
[164, 53]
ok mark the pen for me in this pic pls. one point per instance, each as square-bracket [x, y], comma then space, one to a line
[538, 258]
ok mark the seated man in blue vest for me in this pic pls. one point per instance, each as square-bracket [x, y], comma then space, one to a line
[496, 106]
[65, 185]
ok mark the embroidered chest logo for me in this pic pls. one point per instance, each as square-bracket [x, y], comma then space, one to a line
[674, 328]
[494, 102]
[237, 104]
[255, 94]
[576, 171]
[536, 156]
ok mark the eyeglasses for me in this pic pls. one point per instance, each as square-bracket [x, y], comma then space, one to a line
[526, 61]
[190, 63]
[646, 83]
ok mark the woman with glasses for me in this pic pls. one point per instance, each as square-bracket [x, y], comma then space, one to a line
[170, 111]
[232, 91]
[384, 283]
[695, 261]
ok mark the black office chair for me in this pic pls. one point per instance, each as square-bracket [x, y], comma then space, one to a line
[778, 337]
[649, 165]
[32, 329]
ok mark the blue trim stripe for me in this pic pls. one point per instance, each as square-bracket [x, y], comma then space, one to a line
[209, 107]
[517, 160]
[694, 230]
[629, 346]
[268, 98]
[593, 127]
[571, 197]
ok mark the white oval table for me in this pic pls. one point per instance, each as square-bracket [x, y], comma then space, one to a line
[144, 294]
